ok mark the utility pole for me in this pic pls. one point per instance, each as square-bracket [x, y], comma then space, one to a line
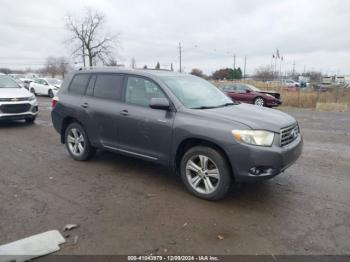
[293, 69]
[234, 67]
[234, 61]
[180, 56]
[245, 65]
[82, 34]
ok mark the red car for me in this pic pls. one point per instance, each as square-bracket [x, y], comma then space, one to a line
[250, 94]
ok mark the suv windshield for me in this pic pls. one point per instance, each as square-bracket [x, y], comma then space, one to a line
[196, 93]
[8, 82]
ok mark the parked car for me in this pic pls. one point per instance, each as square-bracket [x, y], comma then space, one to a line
[250, 94]
[16, 102]
[177, 120]
[23, 79]
[290, 84]
[45, 86]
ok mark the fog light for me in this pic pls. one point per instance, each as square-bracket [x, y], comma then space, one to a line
[261, 170]
[255, 171]
[35, 109]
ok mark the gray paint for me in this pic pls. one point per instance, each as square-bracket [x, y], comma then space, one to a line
[156, 135]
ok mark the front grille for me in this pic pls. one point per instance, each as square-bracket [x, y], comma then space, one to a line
[289, 134]
[14, 99]
[15, 108]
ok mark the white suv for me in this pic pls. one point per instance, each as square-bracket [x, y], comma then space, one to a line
[16, 102]
[45, 86]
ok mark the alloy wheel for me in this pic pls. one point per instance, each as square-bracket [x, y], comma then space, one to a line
[259, 101]
[76, 142]
[202, 174]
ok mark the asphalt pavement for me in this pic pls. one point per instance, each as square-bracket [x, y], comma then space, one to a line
[128, 206]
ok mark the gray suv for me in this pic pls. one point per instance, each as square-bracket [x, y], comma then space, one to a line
[177, 120]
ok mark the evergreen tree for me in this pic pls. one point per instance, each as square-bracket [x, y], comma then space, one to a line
[157, 66]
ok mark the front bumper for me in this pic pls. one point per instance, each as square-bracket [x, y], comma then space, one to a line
[273, 103]
[271, 161]
[30, 113]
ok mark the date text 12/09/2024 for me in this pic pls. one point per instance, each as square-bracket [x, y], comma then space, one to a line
[173, 258]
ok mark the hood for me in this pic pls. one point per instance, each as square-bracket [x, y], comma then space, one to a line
[252, 116]
[268, 92]
[273, 93]
[14, 93]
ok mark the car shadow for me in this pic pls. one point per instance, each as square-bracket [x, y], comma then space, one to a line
[14, 123]
[161, 176]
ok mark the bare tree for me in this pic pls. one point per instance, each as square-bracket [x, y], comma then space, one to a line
[89, 36]
[111, 62]
[51, 66]
[62, 65]
[197, 72]
[265, 73]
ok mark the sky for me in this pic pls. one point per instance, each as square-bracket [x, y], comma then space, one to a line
[310, 35]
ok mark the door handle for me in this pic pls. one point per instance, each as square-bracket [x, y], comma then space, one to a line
[124, 112]
[85, 105]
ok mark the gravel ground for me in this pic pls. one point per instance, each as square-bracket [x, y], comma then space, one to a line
[128, 206]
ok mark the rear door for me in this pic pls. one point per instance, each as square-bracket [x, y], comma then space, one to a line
[70, 99]
[102, 107]
[143, 131]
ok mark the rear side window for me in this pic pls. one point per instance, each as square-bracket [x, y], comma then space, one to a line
[108, 86]
[79, 84]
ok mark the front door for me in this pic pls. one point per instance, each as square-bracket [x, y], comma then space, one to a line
[144, 131]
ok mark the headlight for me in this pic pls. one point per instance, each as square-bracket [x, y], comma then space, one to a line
[32, 98]
[254, 137]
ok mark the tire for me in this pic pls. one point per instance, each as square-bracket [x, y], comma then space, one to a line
[32, 90]
[220, 181]
[30, 120]
[259, 101]
[50, 93]
[77, 143]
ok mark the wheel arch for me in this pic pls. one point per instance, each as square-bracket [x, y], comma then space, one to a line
[65, 123]
[190, 142]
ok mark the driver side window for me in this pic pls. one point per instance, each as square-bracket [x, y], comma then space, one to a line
[140, 91]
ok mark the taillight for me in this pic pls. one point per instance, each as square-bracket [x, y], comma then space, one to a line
[54, 101]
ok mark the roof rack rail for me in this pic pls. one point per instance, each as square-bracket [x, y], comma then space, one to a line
[101, 67]
[160, 69]
[119, 67]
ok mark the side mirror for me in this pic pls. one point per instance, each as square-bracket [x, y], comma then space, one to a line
[159, 103]
[247, 91]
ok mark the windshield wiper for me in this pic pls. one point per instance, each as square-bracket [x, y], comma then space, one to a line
[203, 107]
[227, 104]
